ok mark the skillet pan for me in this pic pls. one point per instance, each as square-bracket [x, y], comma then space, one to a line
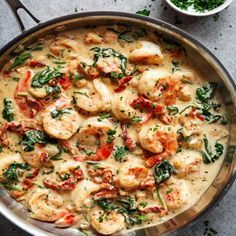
[199, 55]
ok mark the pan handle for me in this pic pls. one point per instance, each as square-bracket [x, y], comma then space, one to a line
[15, 5]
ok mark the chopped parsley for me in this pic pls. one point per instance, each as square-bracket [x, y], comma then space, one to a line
[198, 5]
[143, 12]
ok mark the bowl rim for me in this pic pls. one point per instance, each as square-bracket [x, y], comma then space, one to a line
[32, 229]
[199, 14]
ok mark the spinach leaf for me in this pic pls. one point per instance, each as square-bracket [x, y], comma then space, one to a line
[106, 205]
[206, 92]
[31, 137]
[12, 173]
[53, 89]
[137, 119]
[8, 112]
[175, 66]
[210, 117]
[58, 113]
[19, 60]
[108, 52]
[128, 203]
[163, 171]
[36, 47]
[103, 116]
[126, 206]
[208, 155]
[43, 77]
[143, 12]
[120, 153]
[11, 187]
[172, 110]
[57, 156]
[139, 33]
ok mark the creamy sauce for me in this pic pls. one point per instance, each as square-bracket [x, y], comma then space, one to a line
[108, 129]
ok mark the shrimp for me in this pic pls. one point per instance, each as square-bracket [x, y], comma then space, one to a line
[161, 140]
[109, 65]
[121, 107]
[185, 76]
[92, 38]
[7, 160]
[60, 120]
[110, 37]
[64, 42]
[112, 221]
[186, 164]
[94, 133]
[146, 52]
[67, 219]
[36, 158]
[45, 204]
[131, 175]
[175, 193]
[93, 98]
[158, 85]
[80, 195]
[92, 127]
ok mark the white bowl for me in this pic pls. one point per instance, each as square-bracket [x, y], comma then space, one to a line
[208, 13]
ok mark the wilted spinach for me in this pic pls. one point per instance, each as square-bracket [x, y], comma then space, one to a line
[58, 113]
[208, 155]
[172, 110]
[108, 52]
[12, 171]
[31, 137]
[19, 60]
[43, 77]
[163, 171]
[126, 206]
[8, 112]
[206, 91]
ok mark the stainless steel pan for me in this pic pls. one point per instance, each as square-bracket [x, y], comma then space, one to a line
[201, 57]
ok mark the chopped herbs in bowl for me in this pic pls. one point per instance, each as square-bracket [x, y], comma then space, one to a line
[199, 7]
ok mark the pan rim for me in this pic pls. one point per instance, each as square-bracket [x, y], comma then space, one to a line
[32, 229]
